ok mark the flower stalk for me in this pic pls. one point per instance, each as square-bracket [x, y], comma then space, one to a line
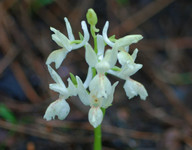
[97, 138]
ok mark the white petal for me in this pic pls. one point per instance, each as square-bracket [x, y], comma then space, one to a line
[95, 116]
[115, 73]
[61, 39]
[129, 69]
[82, 92]
[100, 46]
[69, 30]
[111, 57]
[86, 36]
[134, 88]
[90, 56]
[100, 86]
[107, 102]
[58, 108]
[134, 55]
[60, 89]
[108, 61]
[128, 40]
[57, 56]
[102, 67]
[127, 49]
[56, 77]
[88, 78]
[124, 58]
[105, 37]
[72, 90]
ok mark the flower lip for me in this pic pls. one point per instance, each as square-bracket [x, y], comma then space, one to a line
[134, 88]
[95, 116]
[59, 108]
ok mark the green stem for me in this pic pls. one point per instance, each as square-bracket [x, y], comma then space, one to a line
[97, 138]
[94, 38]
[98, 135]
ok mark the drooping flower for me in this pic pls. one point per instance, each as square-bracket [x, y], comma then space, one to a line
[60, 107]
[67, 44]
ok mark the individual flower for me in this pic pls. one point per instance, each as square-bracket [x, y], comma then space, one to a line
[134, 88]
[102, 63]
[128, 65]
[123, 42]
[95, 113]
[67, 44]
[60, 107]
[128, 68]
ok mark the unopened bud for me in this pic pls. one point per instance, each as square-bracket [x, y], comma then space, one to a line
[91, 17]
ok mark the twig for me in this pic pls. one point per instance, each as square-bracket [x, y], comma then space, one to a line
[42, 132]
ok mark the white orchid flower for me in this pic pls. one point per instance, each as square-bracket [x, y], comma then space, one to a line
[102, 63]
[67, 44]
[95, 113]
[60, 107]
[59, 86]
[129, 67]
[122, 43]
[127, 61]
[134, 88]
[131, 87]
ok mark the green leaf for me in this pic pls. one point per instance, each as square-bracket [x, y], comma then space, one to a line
[6, 114]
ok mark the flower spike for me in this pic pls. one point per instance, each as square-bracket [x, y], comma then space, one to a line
[96, 91]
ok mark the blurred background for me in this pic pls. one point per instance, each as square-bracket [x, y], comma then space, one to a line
[162, 122]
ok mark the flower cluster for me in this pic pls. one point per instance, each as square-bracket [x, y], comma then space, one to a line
[97, 90]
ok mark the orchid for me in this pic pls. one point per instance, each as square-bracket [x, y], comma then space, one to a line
[67, 44]
[96, 91]
[128, 68]
[60, 107]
